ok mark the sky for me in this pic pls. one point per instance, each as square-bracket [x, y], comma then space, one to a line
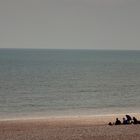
[70, 24]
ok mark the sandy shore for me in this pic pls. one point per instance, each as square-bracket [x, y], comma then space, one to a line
[68, 128]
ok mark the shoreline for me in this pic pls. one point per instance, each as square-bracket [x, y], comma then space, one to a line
[98, 118]
[68, 113]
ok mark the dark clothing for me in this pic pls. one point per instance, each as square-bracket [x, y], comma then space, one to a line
[128, 117]
[125, 121]
[135, 121]
[118, 122]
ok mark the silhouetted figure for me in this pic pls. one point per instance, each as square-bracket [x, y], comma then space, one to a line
[125, 121]
[129, 119]
[135, 121]
[118, 122]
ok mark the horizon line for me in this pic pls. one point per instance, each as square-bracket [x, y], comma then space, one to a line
[107, 49]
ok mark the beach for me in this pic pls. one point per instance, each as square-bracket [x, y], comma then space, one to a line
[68, 128]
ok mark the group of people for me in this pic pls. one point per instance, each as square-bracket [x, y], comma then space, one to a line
[125, 121]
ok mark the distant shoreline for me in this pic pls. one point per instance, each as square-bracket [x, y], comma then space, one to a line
[105, 117]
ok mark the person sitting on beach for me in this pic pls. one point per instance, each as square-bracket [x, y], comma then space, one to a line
[129, 119]
[125, 121]
[118, 122]
[135, 121]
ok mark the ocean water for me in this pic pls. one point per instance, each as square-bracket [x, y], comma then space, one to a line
[39, 82]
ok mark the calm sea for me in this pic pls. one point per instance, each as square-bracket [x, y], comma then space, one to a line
[37, 82]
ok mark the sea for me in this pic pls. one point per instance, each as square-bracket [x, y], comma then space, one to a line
[49, 82]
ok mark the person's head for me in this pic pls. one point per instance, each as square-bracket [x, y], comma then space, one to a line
[123, 119]
[117, 119]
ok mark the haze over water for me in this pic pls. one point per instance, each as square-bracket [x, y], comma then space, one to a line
[47, 82]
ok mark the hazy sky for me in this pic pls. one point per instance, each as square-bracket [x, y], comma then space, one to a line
[86, 24]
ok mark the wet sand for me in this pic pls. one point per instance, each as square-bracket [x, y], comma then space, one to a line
[68, 128]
